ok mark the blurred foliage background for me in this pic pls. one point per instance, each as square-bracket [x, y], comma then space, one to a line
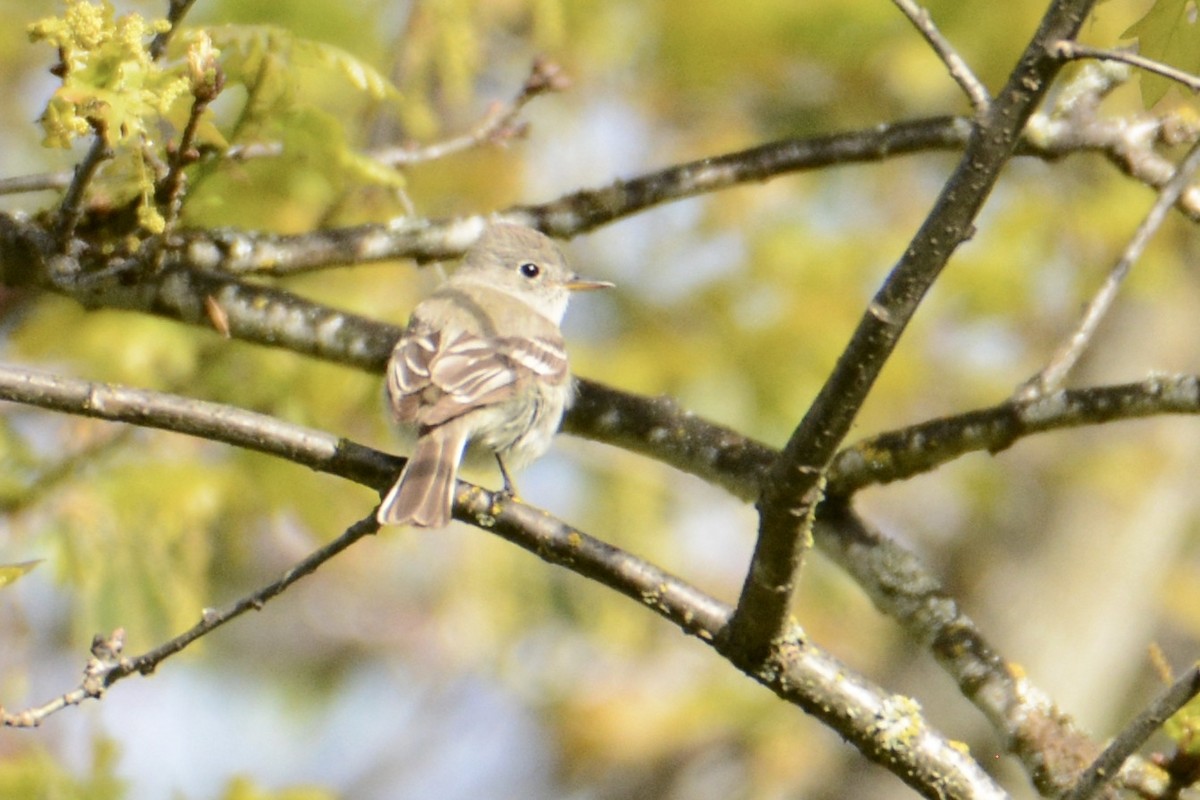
[451, 664]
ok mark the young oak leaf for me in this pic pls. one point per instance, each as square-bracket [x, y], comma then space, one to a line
[10, 573]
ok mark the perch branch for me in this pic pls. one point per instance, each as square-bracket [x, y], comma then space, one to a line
[893, 576]
[887, 729]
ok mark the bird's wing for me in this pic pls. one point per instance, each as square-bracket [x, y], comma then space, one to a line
[436, 376]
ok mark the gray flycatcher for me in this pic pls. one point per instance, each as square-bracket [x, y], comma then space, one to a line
[481, 362]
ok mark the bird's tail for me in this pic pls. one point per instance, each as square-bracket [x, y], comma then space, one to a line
[424, 493]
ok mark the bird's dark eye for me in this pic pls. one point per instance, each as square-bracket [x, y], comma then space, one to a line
[530, 270]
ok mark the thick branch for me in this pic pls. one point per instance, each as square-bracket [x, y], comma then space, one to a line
[793, 487]
[234, 426]
[247, 311]
[1048, 743]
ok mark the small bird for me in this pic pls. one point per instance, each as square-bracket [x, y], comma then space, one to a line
[482, 361]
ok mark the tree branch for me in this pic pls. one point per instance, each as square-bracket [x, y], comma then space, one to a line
[36, 183]
[893, 576]
[107, 665]
[793, 486]
[247, 311]
[1074, 50]
[499, 125]
[976, 92]
[176, 11]
[1108, 765]
[425, 240]
[71, 208]
[311, 448]
[900, 454]
[1050, 746]
[1055, 372]
[1128, 146]
[887, 729]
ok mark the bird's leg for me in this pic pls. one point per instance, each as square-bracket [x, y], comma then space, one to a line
[510, 488]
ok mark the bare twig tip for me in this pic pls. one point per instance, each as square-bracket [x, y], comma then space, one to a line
[546, 76]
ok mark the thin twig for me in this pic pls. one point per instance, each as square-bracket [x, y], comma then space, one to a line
[106, 658]
[1106, 767]
[211, 619]
[70, 210]
[207, 80]
[102, 673]
[175, 14]
[498, 125]
[171, 188]
[976, 92]
[36, 183]
[1064, 359]
[1070, 49]
[64, 468]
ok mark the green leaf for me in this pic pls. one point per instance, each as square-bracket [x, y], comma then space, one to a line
[37, 772]
[243, 788]
[1184, 728]
[108, 75]
[10, 573]
[1168, 33]
[251, 45]
[320, 139]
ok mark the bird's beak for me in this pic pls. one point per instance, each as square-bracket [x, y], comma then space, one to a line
[578, 284]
